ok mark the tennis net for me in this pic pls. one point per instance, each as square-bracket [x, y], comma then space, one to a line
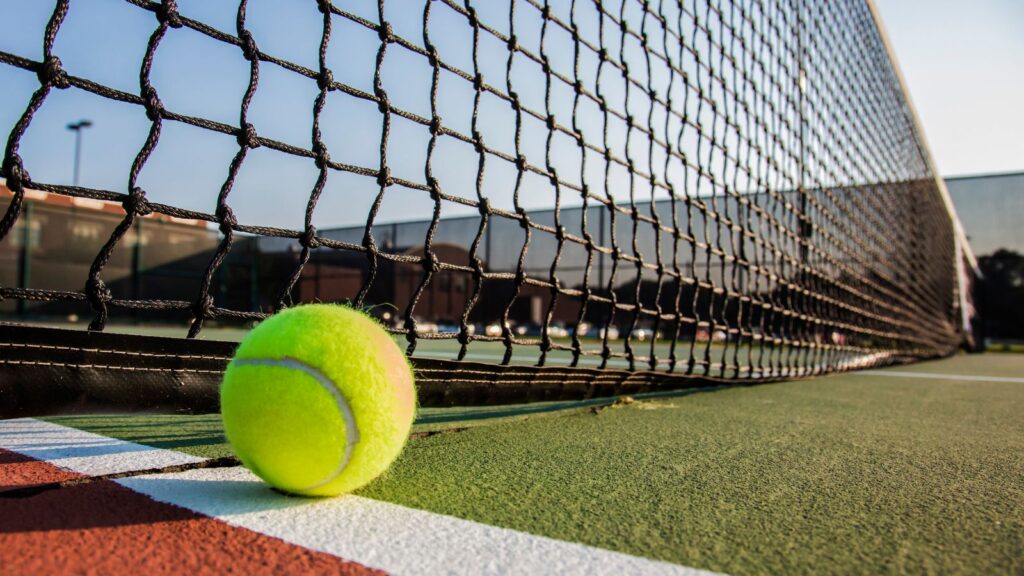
[632, 192]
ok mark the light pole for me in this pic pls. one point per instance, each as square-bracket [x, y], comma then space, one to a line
[77, 127]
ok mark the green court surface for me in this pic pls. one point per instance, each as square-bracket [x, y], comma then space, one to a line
[850, 473]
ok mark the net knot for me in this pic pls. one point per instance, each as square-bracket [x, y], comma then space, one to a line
[560, 233]
[484, 207]
[309, 238]
[386, 33]
[14, 168]
[320, 155]
[247, 136]
[550, 121]
[97, 292]
[384, 177]
[431, 263]
[52, 73]
[203, 307]
[471, 15]
[478, 81]
[370, 244]
[513, 43]
[249, 49]
[435, 188]
[154, 107]
[324, 79]
[136, 203]
[603, 54]
[520, 277]
[383, 103]
[167, 13]
[478, 141]
[553, 176]
[521, 163]
[436, 126]
[324, 6]
[226, 219]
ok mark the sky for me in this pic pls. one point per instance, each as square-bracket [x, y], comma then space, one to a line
[961, 60]
[964, 63]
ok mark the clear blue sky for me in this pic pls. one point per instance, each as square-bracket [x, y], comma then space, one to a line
[962, 60]
[964, 63]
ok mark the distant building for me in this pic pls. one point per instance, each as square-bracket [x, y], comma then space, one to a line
[991, 208]
[56, 239]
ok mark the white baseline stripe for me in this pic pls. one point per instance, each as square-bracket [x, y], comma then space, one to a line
[83, 452]
[927, 375]
[380, 535]
[373, 533]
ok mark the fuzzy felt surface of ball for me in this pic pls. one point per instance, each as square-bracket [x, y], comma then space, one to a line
[318, 400]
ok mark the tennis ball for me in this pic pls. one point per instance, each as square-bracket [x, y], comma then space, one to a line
[318, 400]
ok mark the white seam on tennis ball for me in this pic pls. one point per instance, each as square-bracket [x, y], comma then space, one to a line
[351, 430]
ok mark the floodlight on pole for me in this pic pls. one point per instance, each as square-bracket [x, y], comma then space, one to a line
[77, 127]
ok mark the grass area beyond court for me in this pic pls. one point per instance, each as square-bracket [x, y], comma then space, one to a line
[859, 473]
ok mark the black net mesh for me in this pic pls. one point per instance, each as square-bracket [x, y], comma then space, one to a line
[728, 188]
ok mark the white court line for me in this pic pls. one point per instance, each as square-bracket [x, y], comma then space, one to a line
[83, 452]
[369, 532]
[961, 377]
[386, 536]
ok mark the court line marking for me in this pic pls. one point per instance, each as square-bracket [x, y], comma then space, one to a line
[934, 376]
[373, 533]
[84, 452]
[386, 536]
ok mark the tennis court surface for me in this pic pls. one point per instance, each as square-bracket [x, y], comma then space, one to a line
[681, 286]
[910, 469]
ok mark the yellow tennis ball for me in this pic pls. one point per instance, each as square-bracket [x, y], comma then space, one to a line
[318, 400]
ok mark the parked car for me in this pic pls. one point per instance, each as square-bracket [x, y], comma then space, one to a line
[599, 332]
[613, 333]
[558, 330]
[426, 327]
[642, 334]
